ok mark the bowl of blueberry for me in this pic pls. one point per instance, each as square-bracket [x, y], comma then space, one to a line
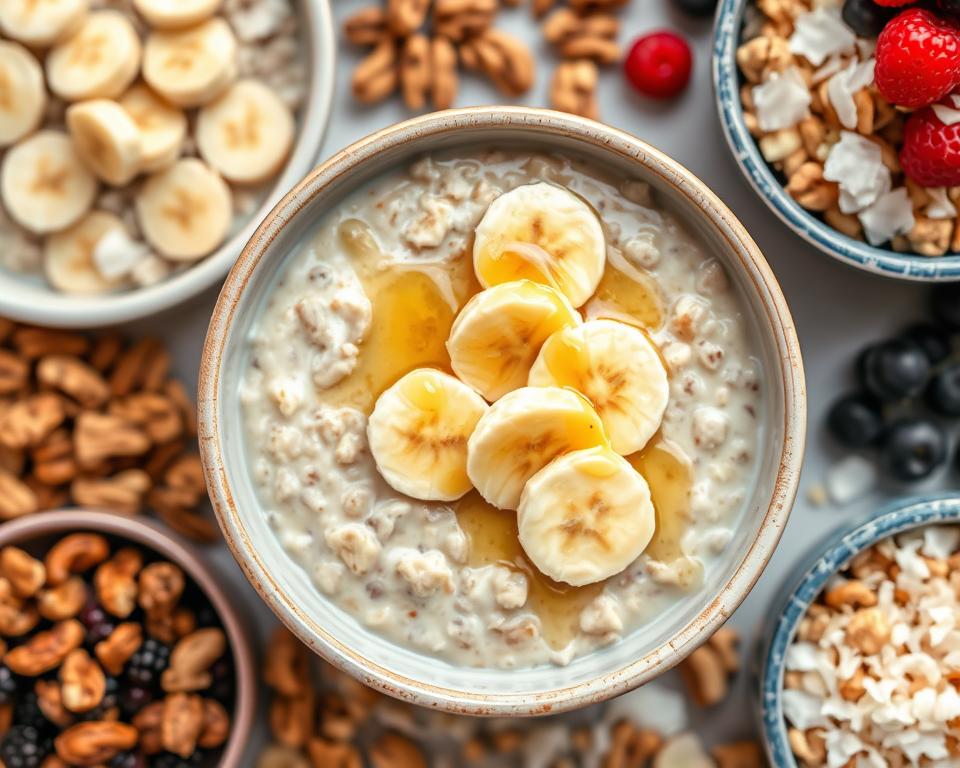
[844, 116]
[117, 649]
[907, 403]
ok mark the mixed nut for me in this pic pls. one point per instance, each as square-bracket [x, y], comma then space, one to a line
[110, 656]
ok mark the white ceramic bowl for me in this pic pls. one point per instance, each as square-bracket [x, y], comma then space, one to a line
[30, 299]
[342, 640]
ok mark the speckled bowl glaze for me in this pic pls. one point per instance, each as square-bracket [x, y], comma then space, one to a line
[419, 678]
[856, 253]
[828, 557]
[32, 300]
[35, 532]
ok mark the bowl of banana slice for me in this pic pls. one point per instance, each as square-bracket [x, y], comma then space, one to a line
[503, 411]
[141, 143]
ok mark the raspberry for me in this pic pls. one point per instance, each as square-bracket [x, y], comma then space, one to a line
[918, 59]
[659, 64]
[894, 3]
[930, 154]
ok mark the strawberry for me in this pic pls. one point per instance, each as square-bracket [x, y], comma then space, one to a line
[930, 154]
[918, 59]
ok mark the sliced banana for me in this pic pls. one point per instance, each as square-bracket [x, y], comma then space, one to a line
[418, 434]
[176, 14]
[185, 211]
[246, 133]
[39, 23]
[107, 139]
[23, 95]
[585, 516]
[523, 432]
[496, 336]
[98, 61]
[543, 233]
[162, 127]
[68, 256]
[618, 369]
[191, 67]
[44, 185]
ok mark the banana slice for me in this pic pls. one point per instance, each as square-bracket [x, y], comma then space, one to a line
[44, 184]
[176, 14]
[585, 516]
[523, 432]
[68, 256]
[185, 211]
[162, 127]
[107, 139]
[191, 67]
[98, 61]
[496, 336]
[23, 95]
[618, 369]
[39, 23]
[543, 233]
[247, 133]
[418, 434]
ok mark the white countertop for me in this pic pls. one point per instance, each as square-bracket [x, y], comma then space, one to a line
[837, 310]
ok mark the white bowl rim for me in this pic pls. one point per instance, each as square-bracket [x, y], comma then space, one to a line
[559, 697]
[51, 309]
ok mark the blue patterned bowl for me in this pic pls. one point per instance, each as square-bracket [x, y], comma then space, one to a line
[830, 556]
[726, 81]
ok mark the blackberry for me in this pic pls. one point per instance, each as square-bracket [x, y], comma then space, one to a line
[24, 746]
[133, 698]
[8, 684]
[148, 662]
[207, 617]
[26, 711]
[98, 624]
[224, 678]
[128, 760]
[170, 760]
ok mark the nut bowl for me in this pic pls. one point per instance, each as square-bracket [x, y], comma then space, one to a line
[36, 533]
[416, 677]
[727, 37]
[31, 299]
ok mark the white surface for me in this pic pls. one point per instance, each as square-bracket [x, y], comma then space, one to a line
[837, 309]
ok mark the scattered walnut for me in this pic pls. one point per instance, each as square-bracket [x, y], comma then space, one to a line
[161, 585]
[392, 750]
[285, 666]
[216, 725]
[291, 718]
[50, 701]
[329, 754]
[82, 682]
[115, 582]
[631, 747]
[114, 651]
[75, 378]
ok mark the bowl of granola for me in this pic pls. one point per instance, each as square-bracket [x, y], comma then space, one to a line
[144, 141]
[861, 662]
[831, 150]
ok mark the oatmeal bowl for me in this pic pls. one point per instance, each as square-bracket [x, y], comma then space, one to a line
[838, 153]
[502, 411]
[142, 143]
[860, 662]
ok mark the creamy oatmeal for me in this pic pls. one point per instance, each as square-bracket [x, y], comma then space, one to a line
[376, 294]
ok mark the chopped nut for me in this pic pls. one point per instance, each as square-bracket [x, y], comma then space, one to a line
[114, 651]
[26, 574]
[415, 71]
[762, 55]
[99, 436]
[53, 461]
[931, 237]
[14, 373]
[90, 744]
[809, 746]
[133, 365]
[458, 20]
[45, 650]
[82, 683]
[725, 641]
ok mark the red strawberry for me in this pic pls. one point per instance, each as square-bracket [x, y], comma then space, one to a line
[893, 3]
[930, 154]
[918, 59]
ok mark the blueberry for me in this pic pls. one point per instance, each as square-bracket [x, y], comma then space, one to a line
[697, 7]
[895, 369]
[946, 305]
[934, 342]
[855, 421]
[913, 448]
[943, 393]
[865, 17]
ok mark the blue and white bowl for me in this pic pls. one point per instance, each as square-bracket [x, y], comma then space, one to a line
[829, 557]
[856, 253]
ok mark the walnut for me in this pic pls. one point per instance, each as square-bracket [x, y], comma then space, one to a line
[53, 460]
[26, 574]
[34, 343]
[631, 747]
[457, 20]
[191, 659]
[74, 378]
[64, 601]
[331, 754]
[51, 703]
[114, 651]
[123, 493]
[154, 413]
[27, 422]
[443, 73]
[574, 88]
[161, 585]
[392, 750]
[45, 650]
[82, 682]
[75, 553]
[14, 373]
[16, 497]
[115, 582]
[415, 71]
[504, 59]
[216, 725]
[100, 436]
[148, 723]
[292, 718]
[90, 744]
[16, 617]
[182, 723]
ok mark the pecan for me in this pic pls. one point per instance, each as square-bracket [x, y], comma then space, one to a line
[161, 457]
[376, 76]
[16, 617]
[286, 665]
[123, 493]
[443, 73]
[175, 391]
[27, 422]
[392, 749]
[292, 718]
[14, 373]
[154, 413]
[74, 378]
[190, 524]
[182, 723]
[26, 574]
[367, 26]
[82, 683]
[106, 349]
[574, 88]
[156, 367]
[631, 747]
[216, 725]
[53, 462]
[75, 553]
[63, 601]
[415, 71]
[47, 497]
[148, 722]
[191, 659]
[90, 744]
[186, 475]
[406, 16]
[504, 59]
[458, 20]
[161, 585]
[115, 582]
[50, 701]
[16, 497]
[100, 436]
[114, 651]
[45, 650]
[332, 754]
[542, 7]
[725, 642]
[33, 343]
[133, 365]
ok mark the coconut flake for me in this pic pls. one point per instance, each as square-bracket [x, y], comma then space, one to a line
[844, 85]
[802, 657]
[802, 709]
[856, 164]
[940, 205]
[820, 34]
[833, 65]
[782, 101]
[851, 479]
[940, 541]
[891, 214]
